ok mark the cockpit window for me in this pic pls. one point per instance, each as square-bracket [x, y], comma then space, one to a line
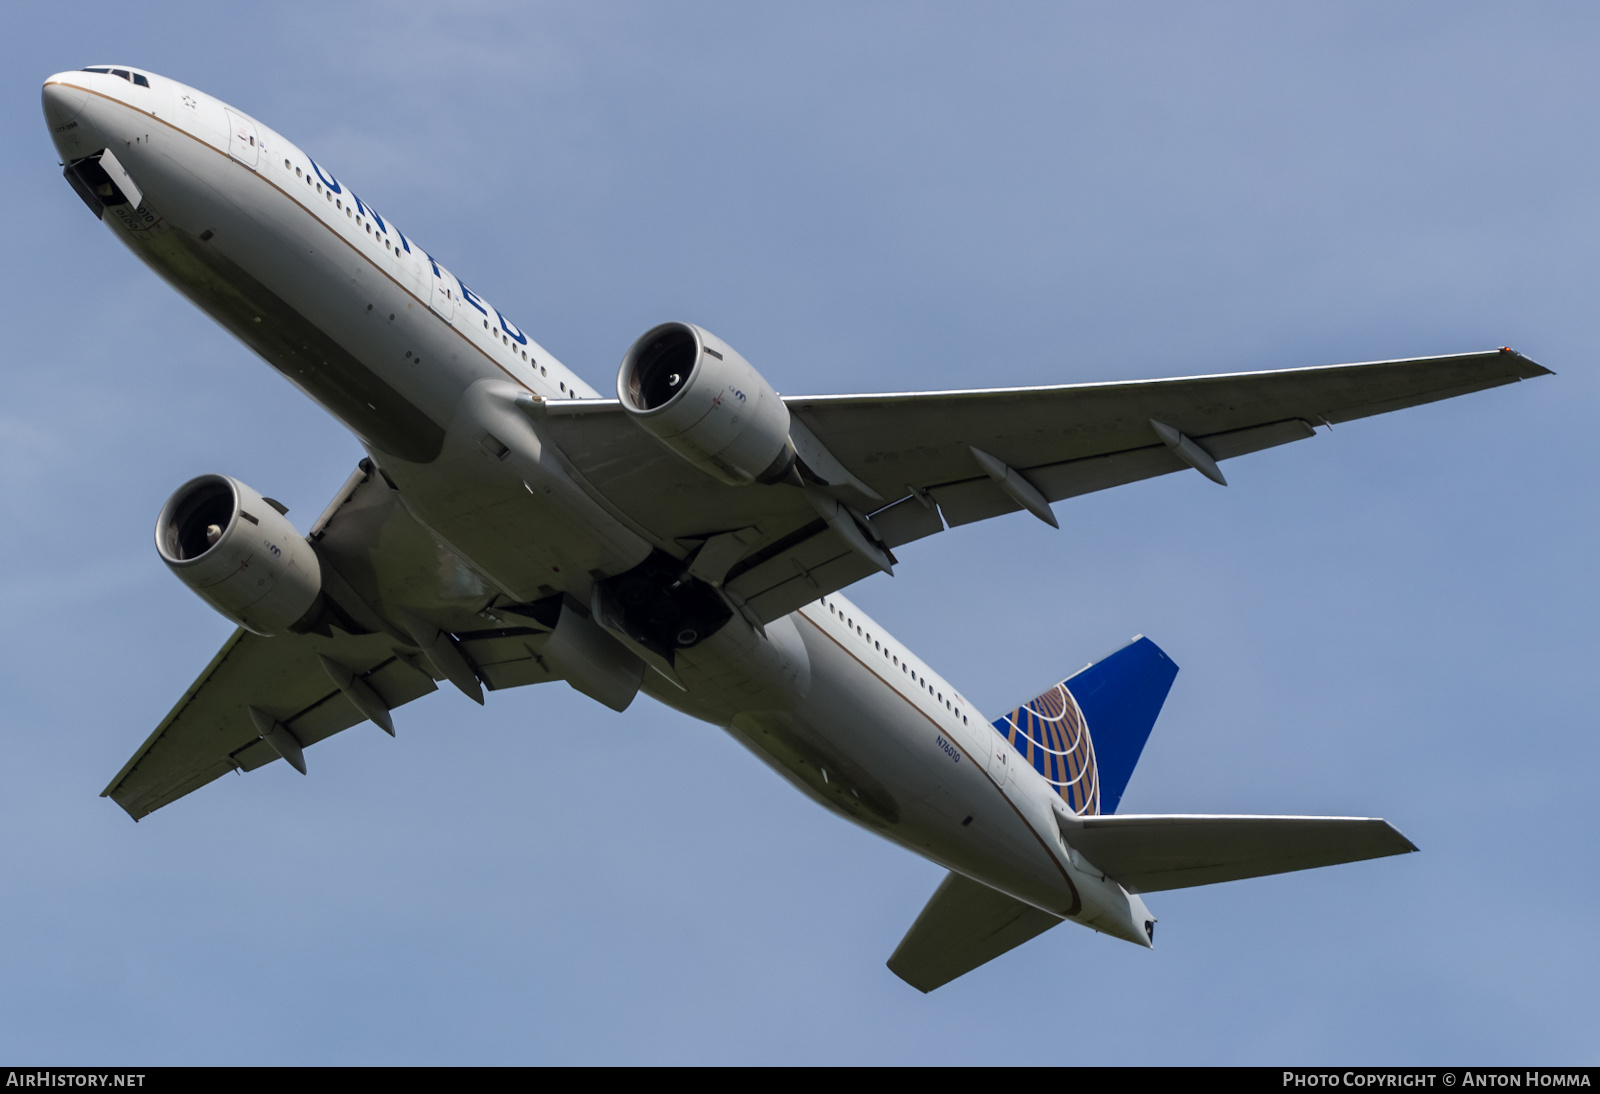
[132, 77]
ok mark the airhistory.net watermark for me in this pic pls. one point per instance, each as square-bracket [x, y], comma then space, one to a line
[48, 1078]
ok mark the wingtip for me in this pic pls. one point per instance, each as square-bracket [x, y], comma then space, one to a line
[1532, 367]
[1409, 848]
[126, 808]
[905, 978]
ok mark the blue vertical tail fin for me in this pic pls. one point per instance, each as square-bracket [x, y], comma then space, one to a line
[1085, 734]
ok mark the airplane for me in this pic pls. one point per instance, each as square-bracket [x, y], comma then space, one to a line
[686, 538]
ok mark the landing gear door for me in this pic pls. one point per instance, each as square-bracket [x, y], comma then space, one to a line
[243, 144]
[443, 299]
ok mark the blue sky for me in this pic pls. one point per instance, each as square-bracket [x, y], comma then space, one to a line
[1396, 619]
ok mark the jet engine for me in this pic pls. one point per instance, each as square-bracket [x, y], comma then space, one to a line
[238, 551]
[696, 395]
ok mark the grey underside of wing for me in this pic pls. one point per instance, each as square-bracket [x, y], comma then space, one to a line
[1077, 439]
[963, 925]
[1148, 854]
[1066, 441]
[210, 732]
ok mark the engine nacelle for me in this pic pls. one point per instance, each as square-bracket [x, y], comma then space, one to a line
[696, 395]
[243, 557]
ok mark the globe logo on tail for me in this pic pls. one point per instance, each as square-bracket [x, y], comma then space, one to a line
[1051, 734]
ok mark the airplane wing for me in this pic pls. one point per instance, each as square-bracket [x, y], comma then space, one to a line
[1148, 854]
[211, 731]
[303, 688]
[772, 549]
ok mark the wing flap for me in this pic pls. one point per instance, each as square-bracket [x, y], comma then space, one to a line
[1151, 853]
[795, 571]
[253, 755]
[907, 520]
[964, 924]
[809, 583]
[508, 658]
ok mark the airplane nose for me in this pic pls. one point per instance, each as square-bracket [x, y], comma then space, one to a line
[62, 103]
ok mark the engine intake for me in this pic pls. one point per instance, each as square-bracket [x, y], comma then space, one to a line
[240, 554]
[696, 395]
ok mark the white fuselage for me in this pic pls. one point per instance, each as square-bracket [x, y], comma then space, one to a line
[332, 294]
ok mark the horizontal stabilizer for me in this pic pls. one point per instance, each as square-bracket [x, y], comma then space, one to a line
[964, 925]
[1149, 853]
